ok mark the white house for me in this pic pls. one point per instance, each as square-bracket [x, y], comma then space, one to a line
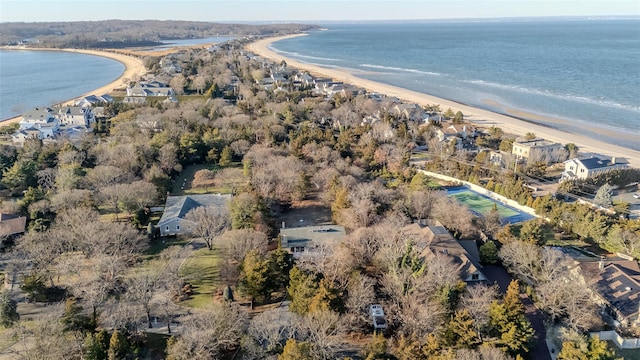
[538, 149]
[306, 240]
[589, 167]
[75, 116]
[43, 120]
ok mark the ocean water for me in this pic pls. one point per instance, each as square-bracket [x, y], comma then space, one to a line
[43, 78]
[583, 71]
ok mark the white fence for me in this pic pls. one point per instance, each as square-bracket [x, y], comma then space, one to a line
[479, 189]
[622, 343]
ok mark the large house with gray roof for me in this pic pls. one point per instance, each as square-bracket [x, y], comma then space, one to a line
[173, 220]
[432, 239]
[589, 167]
[617, 285]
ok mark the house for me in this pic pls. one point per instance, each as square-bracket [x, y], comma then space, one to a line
[93, 100]
[460, 130]
[309, 239]
[172, 221]
[434, 239]
[413, 112]
[43, 120]
[586, 168]
[12, 224]
[538, 149]
[150, 88]
[617, 286]
[75, 116]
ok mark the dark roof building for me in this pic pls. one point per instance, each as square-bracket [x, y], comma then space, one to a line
[177, 207]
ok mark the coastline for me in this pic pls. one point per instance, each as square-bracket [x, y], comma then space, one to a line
[133, 69]
[518, 123]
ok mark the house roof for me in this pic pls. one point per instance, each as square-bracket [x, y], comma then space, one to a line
[12, 224]
[179, 206]
[618, 283]
[435, 238]
[595, 163]
[302, 236]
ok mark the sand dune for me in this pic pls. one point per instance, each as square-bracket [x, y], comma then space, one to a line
[478, 116]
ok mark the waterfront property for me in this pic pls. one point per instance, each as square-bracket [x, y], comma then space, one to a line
[589, 167]
[482, 205]
[538, 150]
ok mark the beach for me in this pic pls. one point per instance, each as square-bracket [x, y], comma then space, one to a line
[517, 122]
[134, 69]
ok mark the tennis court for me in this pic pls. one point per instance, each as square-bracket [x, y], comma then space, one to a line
[482, 205]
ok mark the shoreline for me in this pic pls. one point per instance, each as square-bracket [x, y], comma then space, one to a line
[133, 69]
[517, 124]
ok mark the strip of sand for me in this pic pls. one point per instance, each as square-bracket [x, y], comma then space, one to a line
[133, 70]
[510, 124]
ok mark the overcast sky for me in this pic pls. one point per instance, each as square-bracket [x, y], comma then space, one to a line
[304, 10]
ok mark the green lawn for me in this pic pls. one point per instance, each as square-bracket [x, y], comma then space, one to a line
[481, 204]
[202, 271]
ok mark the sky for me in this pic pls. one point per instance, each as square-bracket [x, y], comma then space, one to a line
[307, 11]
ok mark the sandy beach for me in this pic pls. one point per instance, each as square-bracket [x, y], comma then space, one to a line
[133, 69]
[542, 127]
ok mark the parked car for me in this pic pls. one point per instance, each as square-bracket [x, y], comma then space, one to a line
[637, 196]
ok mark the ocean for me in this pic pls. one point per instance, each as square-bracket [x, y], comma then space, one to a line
[584, 71]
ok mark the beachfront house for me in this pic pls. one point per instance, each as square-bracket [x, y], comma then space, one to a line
[538, 149]
[43, 120]
[309, 240]
[75, 116]
[585, 168]
[93, 100]
[413, 112]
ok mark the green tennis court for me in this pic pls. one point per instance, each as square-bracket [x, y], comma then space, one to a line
[481, 204]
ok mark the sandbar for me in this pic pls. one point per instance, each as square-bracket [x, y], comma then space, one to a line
[133, 70]
[516, 125]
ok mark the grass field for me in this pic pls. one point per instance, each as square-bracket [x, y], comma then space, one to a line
[202, 271]
[481, 204]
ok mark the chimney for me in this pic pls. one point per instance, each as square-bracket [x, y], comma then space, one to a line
[601, 263]
[613, 160]
[283, 225]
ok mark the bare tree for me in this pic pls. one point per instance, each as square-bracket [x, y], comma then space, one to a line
[271, 328]
[208, 222]
[477, 300]
[237, 243]
[209, 333]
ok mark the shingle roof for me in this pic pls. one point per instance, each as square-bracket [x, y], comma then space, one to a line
[179, 206]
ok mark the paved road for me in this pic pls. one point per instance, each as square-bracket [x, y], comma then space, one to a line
[498, 275]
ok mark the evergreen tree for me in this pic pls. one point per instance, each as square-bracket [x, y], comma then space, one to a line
[118, 346]
[302, 288]
[254, 277]
[489, 253]
[376, 349]
[226, 157]
[296, 350]
[8, 310]
[604, 196]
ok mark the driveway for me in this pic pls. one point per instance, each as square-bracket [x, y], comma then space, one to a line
[498, 275]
